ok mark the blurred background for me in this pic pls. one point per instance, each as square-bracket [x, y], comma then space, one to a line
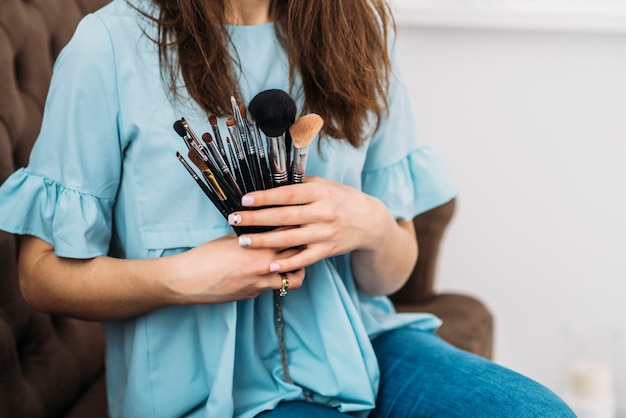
[526, 100]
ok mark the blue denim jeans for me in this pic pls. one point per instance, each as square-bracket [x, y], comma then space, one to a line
[423, 376]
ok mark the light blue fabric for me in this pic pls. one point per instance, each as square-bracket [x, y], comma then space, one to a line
[103, 178]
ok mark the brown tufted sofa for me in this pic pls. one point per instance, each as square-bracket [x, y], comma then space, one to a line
[52, 366]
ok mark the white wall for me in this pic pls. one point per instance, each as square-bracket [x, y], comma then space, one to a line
[534, 126]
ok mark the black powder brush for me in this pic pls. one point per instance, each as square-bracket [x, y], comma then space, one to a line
[274, 111]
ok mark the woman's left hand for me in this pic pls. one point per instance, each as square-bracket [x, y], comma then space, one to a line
[326, 217]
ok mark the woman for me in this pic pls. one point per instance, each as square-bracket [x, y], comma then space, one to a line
[116, 231]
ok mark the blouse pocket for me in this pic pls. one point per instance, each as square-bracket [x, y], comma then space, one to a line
[176, 238]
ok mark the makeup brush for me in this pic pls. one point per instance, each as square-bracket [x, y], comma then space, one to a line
[183, 129]
[235, 163]
[241, 127]
[303, 131]
[248, 180]
[261, 156]
[244, 136]
[195, 141]
[253, 156]
[274, 111]
[206, 189]
[221, 164]
[229, 202]
[182, 132]
[217, 134]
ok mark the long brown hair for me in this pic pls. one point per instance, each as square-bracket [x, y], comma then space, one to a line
[339, 48]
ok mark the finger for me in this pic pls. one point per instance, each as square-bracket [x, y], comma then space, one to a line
[290, 280]
[286, 237]
[292, 194]
[283, 215]
[284, 284]
[308, 256]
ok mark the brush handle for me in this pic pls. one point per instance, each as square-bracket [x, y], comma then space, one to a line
[253, 160]
[220, 143]
[236, 169]
[247, 181]
[207, 191]
[261, 155]
[246, 173]
[224, 169]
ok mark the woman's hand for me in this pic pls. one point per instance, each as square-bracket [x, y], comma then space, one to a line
[327, 218]
[222, 271]
[107, 288]
[324, 219]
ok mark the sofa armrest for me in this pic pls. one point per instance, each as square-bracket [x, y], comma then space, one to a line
[429, 229]
[467, 322]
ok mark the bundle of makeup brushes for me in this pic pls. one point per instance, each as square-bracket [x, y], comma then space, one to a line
[244, 162]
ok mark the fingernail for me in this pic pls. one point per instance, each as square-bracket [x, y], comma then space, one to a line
[247, 200]
[245, 241]
[274, 267]
[234, 219]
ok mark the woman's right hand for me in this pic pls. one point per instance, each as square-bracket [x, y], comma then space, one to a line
[222, 271]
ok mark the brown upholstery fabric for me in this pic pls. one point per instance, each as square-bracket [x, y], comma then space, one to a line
[467, 323]
[31, 35]
[47, 363]
[52, 366]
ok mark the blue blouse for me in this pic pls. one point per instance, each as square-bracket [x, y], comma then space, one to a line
[103, 179]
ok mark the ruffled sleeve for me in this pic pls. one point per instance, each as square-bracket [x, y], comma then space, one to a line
[408, 177]
[65, 195]
[75, 223]
[417, 183]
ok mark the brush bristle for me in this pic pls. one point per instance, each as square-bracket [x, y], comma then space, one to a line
[207, 138]
[305, 128]
[197, 160]
[273, 111]
[230, 122]
[213, 119]
[180, 128]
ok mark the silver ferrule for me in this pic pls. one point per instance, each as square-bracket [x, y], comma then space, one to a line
[194, 137]
[298, 166]
[278, 159]
[200, 150]
[256, 133]
[252, 140]
[217, 155]
[240, 124]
